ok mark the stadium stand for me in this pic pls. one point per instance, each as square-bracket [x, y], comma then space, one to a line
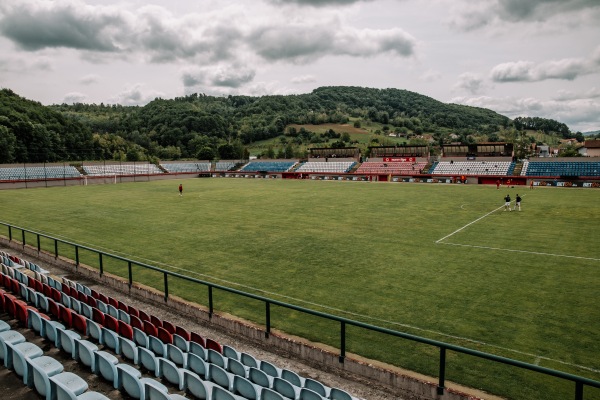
[224, 165]
[38, 173]
[561, 168]
[371, 167]
[187, 167]
[269, 166]
[121, 169]
[500, 168]
[331, 166]
[202, 368]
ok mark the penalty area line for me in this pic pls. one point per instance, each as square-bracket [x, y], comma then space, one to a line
[469, 224]
[537, 253]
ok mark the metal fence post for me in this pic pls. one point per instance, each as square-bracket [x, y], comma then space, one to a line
[9, 233]
[23, 236]
[210, 301]
[267, 318]
[100, 263]
[38, 243]
[166, 286]
[342, 341]
[130, 272]
[578, 391]
[55, 248]
[442, 376]
[76, 256]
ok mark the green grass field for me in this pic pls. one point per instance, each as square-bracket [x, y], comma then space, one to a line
[439, 261]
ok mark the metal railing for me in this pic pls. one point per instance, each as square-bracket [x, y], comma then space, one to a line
[579, 381]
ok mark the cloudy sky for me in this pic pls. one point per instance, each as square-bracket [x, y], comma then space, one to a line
[517, 57]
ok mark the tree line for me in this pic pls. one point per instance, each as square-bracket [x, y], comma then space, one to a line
[207, 127]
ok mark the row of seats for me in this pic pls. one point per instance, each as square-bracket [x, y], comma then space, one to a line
[270, 166]
[38, 173]
[560, 168]
[500, 168]
[224, 165]
[371, 167]
[159, 346]
[187, 167]
[331, 166]
[121, 169]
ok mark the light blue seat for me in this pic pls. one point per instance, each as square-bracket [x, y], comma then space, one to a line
[307, 394]
[218, 393]
[147, 360]
[217, 358]
[219, 376]
[65, 299]
[17, 355]
[170, 372]
[177, 355]
[285, 388]
[196, 386]
[237, 368]
[130, 381]
[42, 302]
[102, 306]
[140, 337]
[198, 350]
[249, 360]
[6, 337]
[151, 392]
[230, 352]
[112, 311]
[292, 377]
[260, 377]
[23, 292]
[128, 349]
[51, 330]
[245, 388]
[4, 326]
[270, 369]
[40, 371]
[66, 340]
[111, 340]
[269, 394]
[317, 387]
[86, 310]
[76, 305]
[157, 346]
[181, 343]
[84, 353]
[94, 330]
[339, 394]
[198, 365]
[32, 297]
[63, 392]
[106, 366]
[123, 316]
[70, 385]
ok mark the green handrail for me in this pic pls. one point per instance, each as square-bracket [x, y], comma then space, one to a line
[579, 381]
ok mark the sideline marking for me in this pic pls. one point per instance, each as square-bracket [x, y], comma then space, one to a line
[466, 339]
[539, 253]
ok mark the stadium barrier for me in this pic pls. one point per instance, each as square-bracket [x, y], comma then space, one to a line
[579, 381]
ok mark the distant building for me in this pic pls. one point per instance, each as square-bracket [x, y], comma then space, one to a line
[591, 148]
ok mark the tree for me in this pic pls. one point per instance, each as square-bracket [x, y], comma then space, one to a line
[7, 145]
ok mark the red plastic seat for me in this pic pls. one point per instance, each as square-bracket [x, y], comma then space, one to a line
[46, 290]
[95, 294]
[113, 302]
[21, 312]
[126, 330]
[14, 287]
[111, 323]
[165, 336]
[82, 297]
[53, 308]
[184, 333]
[67, 290]
[98, 316]
[214, 345]
[55, 294]
[143, 316]
[122, 306]
[157, 322]
[92, 302]
[134, 311]
[150, 329]
[31, 282]
[9, 305]
[79, 323]
[169, 327]
[196, 338]
[103, 298]
[65, 315]
[136, 322]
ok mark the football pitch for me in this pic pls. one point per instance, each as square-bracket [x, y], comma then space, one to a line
[444, 262]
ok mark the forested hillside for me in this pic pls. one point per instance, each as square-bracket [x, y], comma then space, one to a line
[207, 127]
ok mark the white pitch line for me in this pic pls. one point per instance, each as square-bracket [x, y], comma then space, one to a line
[538, 253]
[469, 224]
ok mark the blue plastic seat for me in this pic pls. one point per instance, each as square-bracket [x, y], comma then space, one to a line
[39, 373]
[307, 394]
[140, 337]
[292, 377]
[66, 340]
[157, 346]
[94, 331]
[217, 358]
[177, 355]
[4, 326]
[170, 372]
[12, 337]
[17, 355]
[249, 360]
[84, 353]
[196, 386]
[270, 369]
[260, 377]
[128, 349]
[147, 360]
[285, 388]
[317, 387]
[237, 368]
[111, 340]
[339, 394]
[106, 366]
[130, 381]
[219, 376]
[198, 365]
[181, 343]
[230, 352]
[68, 385]
[198, 350]
[51, 330]
[245, 388]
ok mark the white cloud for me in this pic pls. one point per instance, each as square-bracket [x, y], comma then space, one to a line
[89, 79]
[75, 97]
[430, 75]
[135, 95]
[226, 76]
[471, 83]
[304, 79]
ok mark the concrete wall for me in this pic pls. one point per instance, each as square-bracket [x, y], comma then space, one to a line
[400, 381]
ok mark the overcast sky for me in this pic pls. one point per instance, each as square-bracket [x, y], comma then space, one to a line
[517, 57]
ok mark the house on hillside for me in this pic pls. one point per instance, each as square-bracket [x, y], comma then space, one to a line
[591, 148]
